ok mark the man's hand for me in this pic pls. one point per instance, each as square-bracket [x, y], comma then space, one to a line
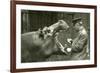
[68, 49]
[69, 40]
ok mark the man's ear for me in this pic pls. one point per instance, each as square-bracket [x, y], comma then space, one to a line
[80, 22]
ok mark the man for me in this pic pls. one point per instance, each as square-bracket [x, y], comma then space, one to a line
[78, 48]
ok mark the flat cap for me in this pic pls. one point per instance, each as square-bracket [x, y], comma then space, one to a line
[76, 20]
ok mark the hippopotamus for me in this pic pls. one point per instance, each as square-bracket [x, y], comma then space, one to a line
[36, 46]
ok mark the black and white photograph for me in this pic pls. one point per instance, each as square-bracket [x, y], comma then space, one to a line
[54, 36]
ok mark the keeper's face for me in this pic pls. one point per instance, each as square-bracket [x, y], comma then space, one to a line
[77, 26]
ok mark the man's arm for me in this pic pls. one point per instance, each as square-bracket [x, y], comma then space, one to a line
[79, 43]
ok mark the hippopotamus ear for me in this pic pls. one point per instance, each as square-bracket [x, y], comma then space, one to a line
[41, 34]
[60, 21]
